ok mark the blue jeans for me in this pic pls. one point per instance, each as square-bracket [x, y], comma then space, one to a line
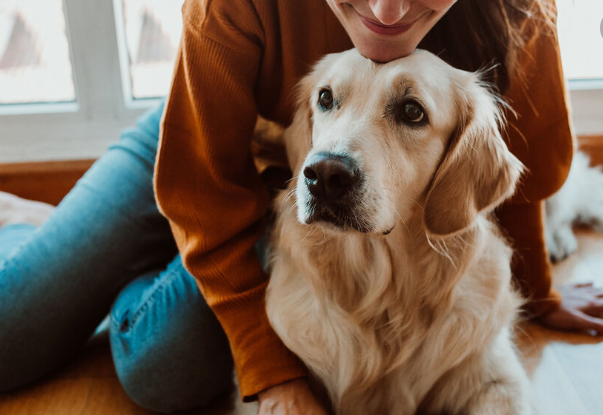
[107, 249]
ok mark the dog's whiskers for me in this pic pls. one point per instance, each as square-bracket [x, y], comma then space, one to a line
[325, 238]
[289, 195]
[311, 232]
[291, 179]
[418, 204]
[402, 220]
[441, 248]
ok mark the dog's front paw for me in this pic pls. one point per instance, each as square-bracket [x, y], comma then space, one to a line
[561, 243]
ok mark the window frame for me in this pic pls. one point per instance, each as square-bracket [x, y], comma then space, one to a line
[104, 105]
[54, 131]
[586, 103]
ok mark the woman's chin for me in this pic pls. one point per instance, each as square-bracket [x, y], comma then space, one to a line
[384, 53]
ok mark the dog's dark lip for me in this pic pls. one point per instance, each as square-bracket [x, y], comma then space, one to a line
[343, 221]
[342, 227]
[387, 232]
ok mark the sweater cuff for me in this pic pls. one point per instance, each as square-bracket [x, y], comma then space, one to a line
[260, 357]
[543, 306]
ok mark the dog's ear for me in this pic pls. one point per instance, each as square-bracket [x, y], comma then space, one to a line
[477, 172]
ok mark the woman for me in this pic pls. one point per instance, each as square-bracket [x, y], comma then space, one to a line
[238, 60]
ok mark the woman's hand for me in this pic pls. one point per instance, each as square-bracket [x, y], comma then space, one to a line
[581, 309]
[290, 398]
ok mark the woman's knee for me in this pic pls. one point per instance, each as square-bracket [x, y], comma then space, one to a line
[169, 350]
[157, 386]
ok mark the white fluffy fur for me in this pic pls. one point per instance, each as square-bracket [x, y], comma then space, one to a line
[419, 319]
[580, 200]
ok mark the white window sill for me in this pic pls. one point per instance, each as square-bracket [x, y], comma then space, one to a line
[586, 99]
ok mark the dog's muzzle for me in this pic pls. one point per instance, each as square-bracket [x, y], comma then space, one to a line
[334, 183]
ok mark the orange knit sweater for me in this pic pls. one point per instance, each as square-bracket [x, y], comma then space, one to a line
[240, 59]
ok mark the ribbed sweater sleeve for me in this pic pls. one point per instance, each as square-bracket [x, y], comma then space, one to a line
[540, 136]
[207, 186]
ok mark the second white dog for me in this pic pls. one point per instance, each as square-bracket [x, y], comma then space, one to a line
[579, 201]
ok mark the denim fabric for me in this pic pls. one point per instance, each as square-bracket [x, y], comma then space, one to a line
[58, 282]
[159, 338]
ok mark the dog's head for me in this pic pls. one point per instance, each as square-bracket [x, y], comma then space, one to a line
[371, 143]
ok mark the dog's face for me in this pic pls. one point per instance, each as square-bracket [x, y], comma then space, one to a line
[371, 143]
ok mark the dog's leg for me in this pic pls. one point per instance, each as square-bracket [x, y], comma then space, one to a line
[503, 387]
[590, 210]
[561, 242]
[500, 398]
[491, 383]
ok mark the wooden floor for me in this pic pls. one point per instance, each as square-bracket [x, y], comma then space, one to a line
[566, 369]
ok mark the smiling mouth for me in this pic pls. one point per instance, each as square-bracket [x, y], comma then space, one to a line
[383, 29]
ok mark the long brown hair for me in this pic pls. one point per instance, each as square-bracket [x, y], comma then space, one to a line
[481, 34]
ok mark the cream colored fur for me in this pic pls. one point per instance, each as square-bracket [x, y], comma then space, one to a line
[579, 201]
[418, 319]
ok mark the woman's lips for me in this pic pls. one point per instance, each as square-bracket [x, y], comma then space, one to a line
[385, 30]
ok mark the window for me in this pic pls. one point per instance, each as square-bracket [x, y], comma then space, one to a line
[580, 38]
[151, 29]
[35, 65]
[90, 69]
[580, 27]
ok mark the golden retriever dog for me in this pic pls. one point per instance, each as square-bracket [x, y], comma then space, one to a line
[388, 278]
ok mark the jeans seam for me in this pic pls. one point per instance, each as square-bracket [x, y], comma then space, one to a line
[145, 306]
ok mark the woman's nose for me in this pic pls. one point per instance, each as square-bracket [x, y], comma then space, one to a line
[389, 12]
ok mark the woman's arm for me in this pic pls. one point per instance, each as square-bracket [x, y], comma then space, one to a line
[539, 134]
[541, 137]
[207, 186]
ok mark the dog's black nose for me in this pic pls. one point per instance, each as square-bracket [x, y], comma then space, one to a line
[331, 176]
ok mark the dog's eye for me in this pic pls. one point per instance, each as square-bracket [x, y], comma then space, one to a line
[412, 112]
[325, 99]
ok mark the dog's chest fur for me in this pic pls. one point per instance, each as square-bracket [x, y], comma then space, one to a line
[368, 314]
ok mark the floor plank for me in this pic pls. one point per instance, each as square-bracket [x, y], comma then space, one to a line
[566, 369]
